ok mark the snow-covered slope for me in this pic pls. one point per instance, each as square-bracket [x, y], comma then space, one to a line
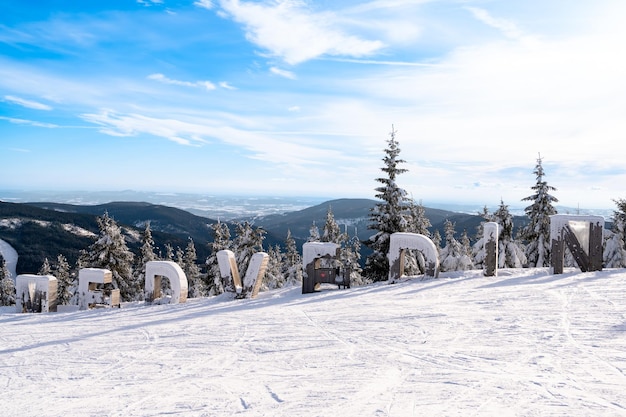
[525, 343]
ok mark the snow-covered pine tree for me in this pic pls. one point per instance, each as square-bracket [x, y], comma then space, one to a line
[537, 233]
[437, 240]
[467, 247]
[7, 285]
[110, 251]
[221, 241]
[414, 263]
[249, 240]
[180, 257]
[314, 233]
[332, 234]
[453, 256]
[352, 258]
[418, 222]
[65, 280]
[510, 253]
[478, 250]
[388, 216]
[44, 269]
[292, 267]
[147, 255]
[332, 231]
[169, 252]
[192, 271]
[274, 277]
[614, 255]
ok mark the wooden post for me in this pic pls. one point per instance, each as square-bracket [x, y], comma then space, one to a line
[557, 255]
[491, 232]
[595, 247]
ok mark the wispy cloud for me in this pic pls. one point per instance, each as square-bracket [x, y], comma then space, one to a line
[384, 62]
[268, 146]
[507, 27]
[205, 4]
[165, 80]
[27, 103]
[28, 122]
[149, 2]
[287, 29]
[283, 73]
[226, 85]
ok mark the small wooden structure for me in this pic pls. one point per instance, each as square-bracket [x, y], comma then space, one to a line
[491, 234]
[155, 271]
[229, 272]
[318, 259]
[583, 237]
[94, 291]
[398, 244]
[35, 293]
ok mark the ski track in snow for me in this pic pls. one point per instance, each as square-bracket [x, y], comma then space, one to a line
[524, 343]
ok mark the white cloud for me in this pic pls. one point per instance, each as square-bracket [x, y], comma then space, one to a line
[283, 73]
[27, 103]
[226, 85]
[205, 4]
[163, 79]
[506, 27]
[294, 33]
[28, 122]
[149, 2]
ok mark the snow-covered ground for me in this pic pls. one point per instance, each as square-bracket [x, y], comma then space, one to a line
[525, 343]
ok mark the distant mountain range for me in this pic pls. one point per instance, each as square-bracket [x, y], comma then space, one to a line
[43, 229]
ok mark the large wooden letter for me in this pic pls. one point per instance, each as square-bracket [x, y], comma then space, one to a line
[401, 241]
[35, 293]
[155, 270]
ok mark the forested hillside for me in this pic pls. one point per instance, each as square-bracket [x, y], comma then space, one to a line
[45, 230]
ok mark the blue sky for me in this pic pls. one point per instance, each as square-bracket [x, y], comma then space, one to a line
[298, 97]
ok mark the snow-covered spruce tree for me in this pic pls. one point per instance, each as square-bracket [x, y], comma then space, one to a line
[352, 258]
[453, 256]
[221, 241]
[7, 286]
[274, 277]
[332, 231]
[467, 247]
[314, 233]
[44, 269]
[614, 255]
[537, 233]
[65, 281]
[388, 216]
[110, 251]
[147, 255]
[192, 271]
[332, 234]
[478, 250]
[249, 240]
[169, 252]
[292, 267]
[418, 222]
[414, 263]
[349, 249]
[510, 253]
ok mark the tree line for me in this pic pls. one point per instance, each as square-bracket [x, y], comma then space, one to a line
[393, 212]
